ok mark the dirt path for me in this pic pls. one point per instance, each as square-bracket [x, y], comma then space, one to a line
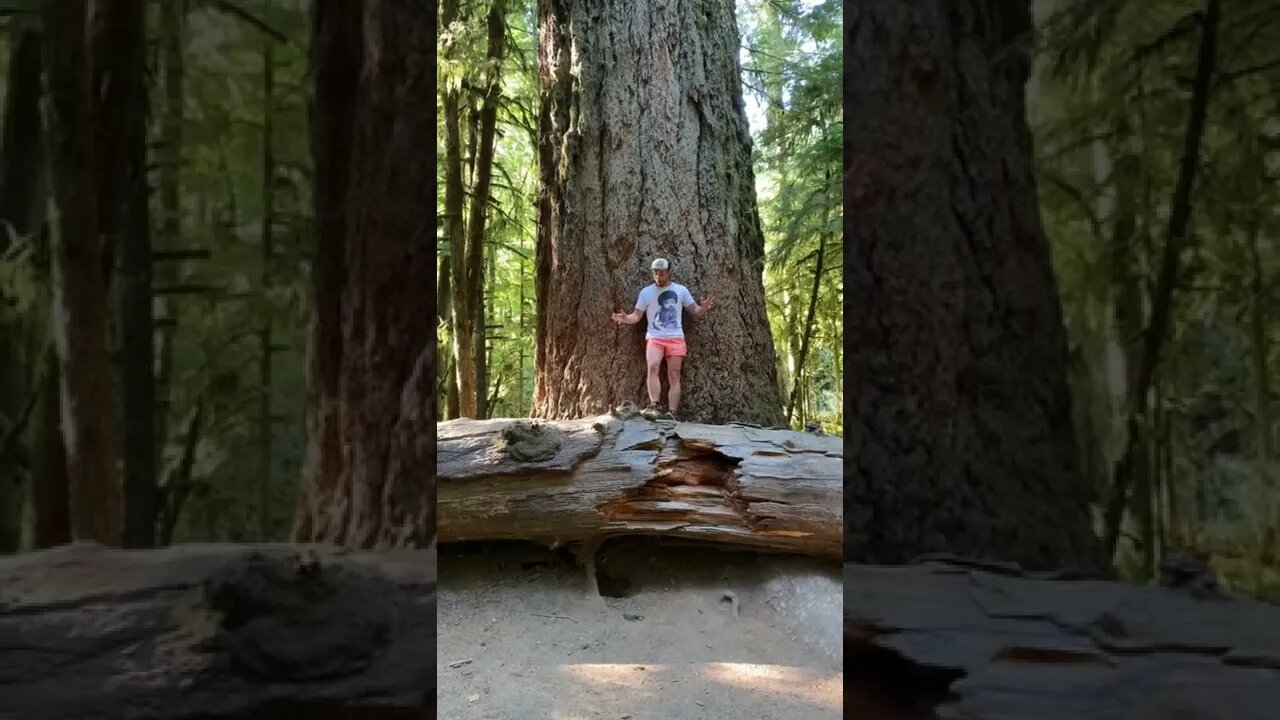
[520, 637]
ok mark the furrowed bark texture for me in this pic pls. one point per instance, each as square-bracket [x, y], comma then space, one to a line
[588, 479]
[368, 479]
[644, 151]
[80, 283]
[961, 435]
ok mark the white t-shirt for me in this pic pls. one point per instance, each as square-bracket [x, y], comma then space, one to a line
[664, 308]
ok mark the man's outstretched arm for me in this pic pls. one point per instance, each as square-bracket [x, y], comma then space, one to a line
[630, 318]
[698, 308]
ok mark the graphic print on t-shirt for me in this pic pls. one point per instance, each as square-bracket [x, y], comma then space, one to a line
[668, 317]
[664, 309]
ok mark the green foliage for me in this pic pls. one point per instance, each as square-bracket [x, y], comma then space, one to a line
[792, 68]
[797, 52]
[217, 345]
[1111, 110]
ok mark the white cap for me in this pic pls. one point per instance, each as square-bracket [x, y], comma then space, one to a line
[660, 264]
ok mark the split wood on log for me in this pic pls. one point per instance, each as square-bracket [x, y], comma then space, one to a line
[217, 632]
[584, 480]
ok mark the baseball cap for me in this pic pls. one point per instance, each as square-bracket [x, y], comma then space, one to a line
[660, 264]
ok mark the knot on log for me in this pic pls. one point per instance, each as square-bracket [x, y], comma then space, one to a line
[529, 442]
[283, 620]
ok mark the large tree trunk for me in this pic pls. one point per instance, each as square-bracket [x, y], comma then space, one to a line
[218, 632]
[960, 428]
[80, 284]
[644, 151]
[368, 475]
[584, 480]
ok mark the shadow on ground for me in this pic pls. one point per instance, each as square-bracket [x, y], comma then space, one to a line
[686, 631]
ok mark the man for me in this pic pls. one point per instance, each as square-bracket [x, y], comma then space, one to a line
[662, 305]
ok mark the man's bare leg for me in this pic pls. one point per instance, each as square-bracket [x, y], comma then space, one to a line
[653, 360]
[674, 364]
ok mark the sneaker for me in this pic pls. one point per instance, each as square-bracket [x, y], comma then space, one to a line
[651, 411]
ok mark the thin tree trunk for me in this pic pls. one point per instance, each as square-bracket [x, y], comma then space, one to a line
[80, 285]
[444, 316]
[178, 488]
[265, 427]
[172, 33]
[51, 486]
[471, 345]
[1161, 308]
[125, 224]
[459, 311]
[819, 268]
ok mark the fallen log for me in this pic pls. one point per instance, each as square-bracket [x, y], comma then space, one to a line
[949, 639]
[585, 480]
[217, 632]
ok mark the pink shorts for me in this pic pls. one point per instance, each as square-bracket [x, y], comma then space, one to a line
[671, 347]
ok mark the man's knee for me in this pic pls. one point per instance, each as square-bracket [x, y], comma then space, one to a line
[654, 366]
[673, 377]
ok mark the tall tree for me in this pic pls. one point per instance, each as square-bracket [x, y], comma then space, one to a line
[80, 281]
[452, 275]
[644, 151]
[960, 433]
[368, 480]
[120, 119]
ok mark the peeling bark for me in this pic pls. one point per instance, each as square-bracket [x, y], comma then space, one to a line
[582, 480]
[644, 151]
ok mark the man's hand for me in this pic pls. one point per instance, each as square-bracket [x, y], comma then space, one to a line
[707, 304]
[621, 318]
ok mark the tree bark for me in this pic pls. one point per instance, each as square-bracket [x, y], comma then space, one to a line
[50, 486]
[644, 151]
[80, 283]
[960, 429]
[120, 47]
[584, 480]
[367, 479]
[463, 384]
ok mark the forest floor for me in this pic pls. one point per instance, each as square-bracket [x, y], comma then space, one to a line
[520, 635]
